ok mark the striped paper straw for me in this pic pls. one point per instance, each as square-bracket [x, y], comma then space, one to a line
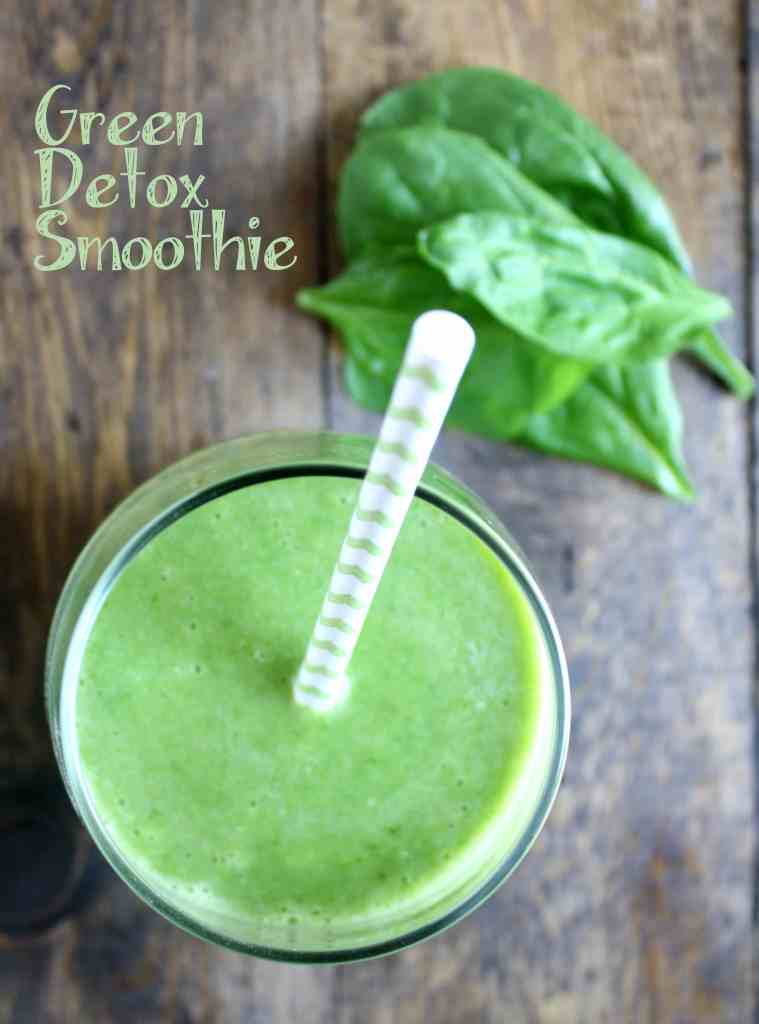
[436, 356]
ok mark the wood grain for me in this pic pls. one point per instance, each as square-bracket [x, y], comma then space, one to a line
[110, 376]
[636, 903]
[107, 377]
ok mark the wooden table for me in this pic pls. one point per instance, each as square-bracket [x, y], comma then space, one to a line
[636, 904]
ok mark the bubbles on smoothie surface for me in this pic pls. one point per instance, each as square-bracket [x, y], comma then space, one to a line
[231, 823]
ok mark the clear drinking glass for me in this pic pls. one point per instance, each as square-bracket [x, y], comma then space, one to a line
[201, 477]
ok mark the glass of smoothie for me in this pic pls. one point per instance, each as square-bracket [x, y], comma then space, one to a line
[257, 823]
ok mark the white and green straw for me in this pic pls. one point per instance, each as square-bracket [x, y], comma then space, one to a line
[436, 356]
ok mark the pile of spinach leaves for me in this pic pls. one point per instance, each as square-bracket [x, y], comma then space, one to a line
[477, 191]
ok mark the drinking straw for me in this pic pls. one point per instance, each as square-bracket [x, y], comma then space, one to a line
[436, 356]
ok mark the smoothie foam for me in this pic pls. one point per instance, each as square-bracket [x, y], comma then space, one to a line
[254, 816]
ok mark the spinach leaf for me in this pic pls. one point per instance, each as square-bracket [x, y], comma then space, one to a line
[569, 289]
[479, 192]
[547, 140]
[713, 353]
[624, 417]
[567, 155]
[374, 303]
[486, 417]
[397, 182]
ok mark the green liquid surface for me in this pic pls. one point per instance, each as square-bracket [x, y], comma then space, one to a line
[245, 809]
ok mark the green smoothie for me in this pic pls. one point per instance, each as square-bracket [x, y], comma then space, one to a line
[253, 815]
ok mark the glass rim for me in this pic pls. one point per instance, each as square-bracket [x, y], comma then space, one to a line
[473, 520]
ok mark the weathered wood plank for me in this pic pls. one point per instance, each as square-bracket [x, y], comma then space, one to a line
[106, 377]
[635, 904]
[110, 376]
[751, 123]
